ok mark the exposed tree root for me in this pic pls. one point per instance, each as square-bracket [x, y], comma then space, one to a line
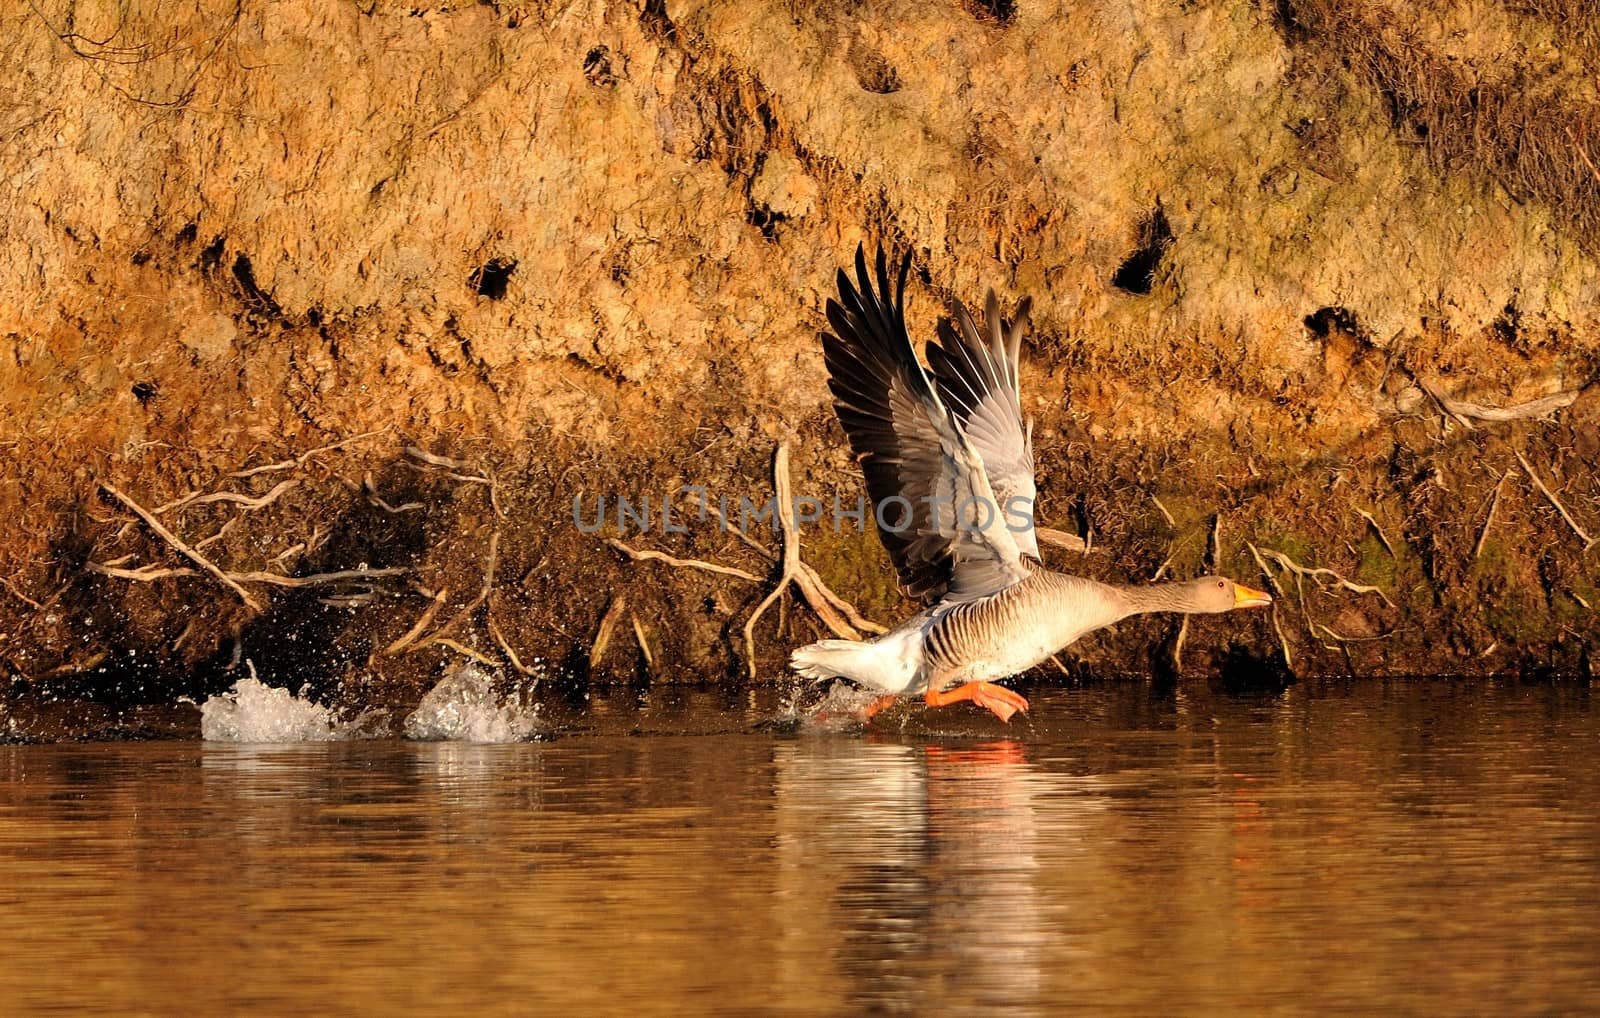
[644, 643]
[505, 648]
[854, 617]
[1465, 412]
[370, 490]
[148, 574]
[794, 570]
[738, 531]
[1318, 573]
[19, 595]
[452, 469]
[1060, 539]
[836, 613]
[1164, 513]
[645, 555]
[1494, 503]
[465, 651]
[184, 549]
[245, 502]
[1277, 588]
[608, 626]
[301, 459]
[421, 625]
[1177, 646]
[1588, 542]
[1376, 529]
[490, 564]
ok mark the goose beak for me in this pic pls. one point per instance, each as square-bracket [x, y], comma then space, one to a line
[1249, 597]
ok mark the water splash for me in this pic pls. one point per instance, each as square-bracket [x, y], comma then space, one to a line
[842, 708]
[463, 707]
[256, 712]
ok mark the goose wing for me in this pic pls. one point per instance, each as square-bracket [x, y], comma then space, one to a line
[976, 372]
[936, 510]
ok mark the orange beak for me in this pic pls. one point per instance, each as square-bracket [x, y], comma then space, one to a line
[1249, 597]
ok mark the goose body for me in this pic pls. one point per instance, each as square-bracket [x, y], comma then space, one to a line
[948, 462]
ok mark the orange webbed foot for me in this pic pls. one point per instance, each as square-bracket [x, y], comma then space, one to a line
[999, 700]
[879, 705]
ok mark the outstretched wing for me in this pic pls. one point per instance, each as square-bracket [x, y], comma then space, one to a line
[936, 512]
[976, 372]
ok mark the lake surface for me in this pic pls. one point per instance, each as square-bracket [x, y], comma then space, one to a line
[1419, 847]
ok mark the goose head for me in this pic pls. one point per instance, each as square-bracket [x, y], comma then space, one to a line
[1215, 594]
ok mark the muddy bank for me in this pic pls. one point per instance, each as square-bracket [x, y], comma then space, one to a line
[378, 290]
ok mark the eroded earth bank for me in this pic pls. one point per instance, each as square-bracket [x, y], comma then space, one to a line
[318, 317]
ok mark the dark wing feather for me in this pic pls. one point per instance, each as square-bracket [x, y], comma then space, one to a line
[977, 375]
[921, 471]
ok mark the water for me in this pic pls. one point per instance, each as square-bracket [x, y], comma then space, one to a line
[1419, 847]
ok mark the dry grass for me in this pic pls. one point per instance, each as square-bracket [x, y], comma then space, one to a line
[1540, 143]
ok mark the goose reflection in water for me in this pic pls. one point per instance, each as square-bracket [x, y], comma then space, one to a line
[926, 855]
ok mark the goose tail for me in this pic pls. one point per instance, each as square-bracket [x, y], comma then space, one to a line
[889, 663]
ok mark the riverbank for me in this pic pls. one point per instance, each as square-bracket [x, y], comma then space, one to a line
[320, 322]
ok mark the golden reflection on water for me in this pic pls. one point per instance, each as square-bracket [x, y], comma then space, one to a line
[1419, 848]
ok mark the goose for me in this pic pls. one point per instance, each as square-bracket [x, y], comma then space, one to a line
[948, 464]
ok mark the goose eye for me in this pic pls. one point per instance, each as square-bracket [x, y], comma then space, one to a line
[1222, 584]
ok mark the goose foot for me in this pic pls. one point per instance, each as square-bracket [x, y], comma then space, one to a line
[997, 699]
[879, 705]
